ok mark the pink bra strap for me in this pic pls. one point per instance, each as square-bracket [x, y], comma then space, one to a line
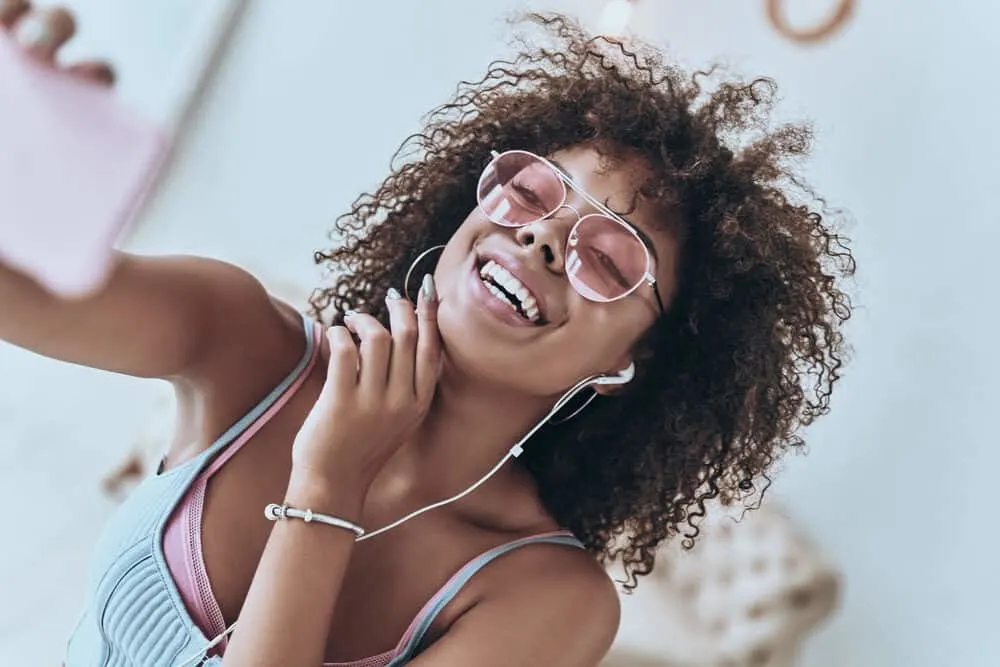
[209, 605]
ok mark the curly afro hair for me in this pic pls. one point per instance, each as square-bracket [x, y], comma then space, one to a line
[751, 345]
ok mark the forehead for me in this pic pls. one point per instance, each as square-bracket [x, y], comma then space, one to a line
[620, 176]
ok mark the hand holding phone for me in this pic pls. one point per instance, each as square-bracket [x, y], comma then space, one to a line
[75, 164]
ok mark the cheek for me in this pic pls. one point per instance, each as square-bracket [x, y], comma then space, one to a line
[608, 332]
[453, 262]
[455, 256]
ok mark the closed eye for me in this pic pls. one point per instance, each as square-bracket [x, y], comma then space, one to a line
[527, 194]
[610, 265]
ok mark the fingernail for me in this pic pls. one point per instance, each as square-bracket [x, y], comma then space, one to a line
[393, 294]
[430, 293]
[107, 73]
[350, 313]
[34, 32]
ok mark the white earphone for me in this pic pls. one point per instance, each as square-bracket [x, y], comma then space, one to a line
[623, 376]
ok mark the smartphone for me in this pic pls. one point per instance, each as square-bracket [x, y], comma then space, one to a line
[75, 168]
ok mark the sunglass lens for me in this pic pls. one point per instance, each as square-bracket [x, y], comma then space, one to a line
[604, 260]
[517, 188]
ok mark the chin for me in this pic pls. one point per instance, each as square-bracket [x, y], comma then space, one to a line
[474, 355]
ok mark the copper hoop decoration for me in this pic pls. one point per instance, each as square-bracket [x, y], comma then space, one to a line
[839, 18]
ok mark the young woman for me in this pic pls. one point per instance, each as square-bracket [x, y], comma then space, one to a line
[580, 223]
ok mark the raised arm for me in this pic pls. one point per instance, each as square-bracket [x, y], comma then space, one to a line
[165, 317]
[155, 317]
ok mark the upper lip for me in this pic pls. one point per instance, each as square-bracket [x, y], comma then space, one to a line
[523, 274]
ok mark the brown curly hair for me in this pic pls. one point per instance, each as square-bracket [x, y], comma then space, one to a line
[751, 345]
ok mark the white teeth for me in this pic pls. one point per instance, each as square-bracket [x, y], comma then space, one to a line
[498, 293]
[503, 277]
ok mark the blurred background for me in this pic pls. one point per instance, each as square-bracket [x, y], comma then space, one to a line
[304, 107]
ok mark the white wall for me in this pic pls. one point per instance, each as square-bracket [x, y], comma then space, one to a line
[311, 102]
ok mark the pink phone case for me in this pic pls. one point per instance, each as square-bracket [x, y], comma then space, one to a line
[75, 166]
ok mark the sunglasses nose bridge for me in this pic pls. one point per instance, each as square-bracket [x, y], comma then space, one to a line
[570, 225]
[570, 207]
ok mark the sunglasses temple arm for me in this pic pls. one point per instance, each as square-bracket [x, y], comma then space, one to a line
[656, 292]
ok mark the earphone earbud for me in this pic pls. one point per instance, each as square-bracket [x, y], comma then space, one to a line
[623, 376]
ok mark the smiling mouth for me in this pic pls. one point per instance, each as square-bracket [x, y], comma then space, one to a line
[502, 284]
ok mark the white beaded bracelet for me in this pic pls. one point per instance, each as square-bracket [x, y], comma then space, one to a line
[274, 512]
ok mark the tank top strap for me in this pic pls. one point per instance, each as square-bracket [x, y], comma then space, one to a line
[415, 634]
[197, 589]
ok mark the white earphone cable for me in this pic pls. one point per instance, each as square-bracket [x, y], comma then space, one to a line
[514, 451]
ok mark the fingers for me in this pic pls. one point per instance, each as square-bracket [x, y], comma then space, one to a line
[402, 365]
[96, 71]
[428, 366]
[403, 325]
[11, 11]
[43, 32]
[342, 372]
[374, 349]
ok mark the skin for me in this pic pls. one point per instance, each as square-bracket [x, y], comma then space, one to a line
[458, 387]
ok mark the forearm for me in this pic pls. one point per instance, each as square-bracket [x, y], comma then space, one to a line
[18, 292]
[288, 610]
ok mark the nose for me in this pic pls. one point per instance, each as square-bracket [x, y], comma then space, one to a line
[547, 237]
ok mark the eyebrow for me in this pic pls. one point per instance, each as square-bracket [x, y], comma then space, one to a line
[642, 235]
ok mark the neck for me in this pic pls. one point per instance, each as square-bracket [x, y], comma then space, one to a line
[469, 428]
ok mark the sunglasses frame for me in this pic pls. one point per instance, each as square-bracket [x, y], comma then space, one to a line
[568, 184]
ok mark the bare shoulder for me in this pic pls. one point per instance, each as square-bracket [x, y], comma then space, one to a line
[557, 581]
[245, 323]
[545, 604]
[562, 577]
[246, 341]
